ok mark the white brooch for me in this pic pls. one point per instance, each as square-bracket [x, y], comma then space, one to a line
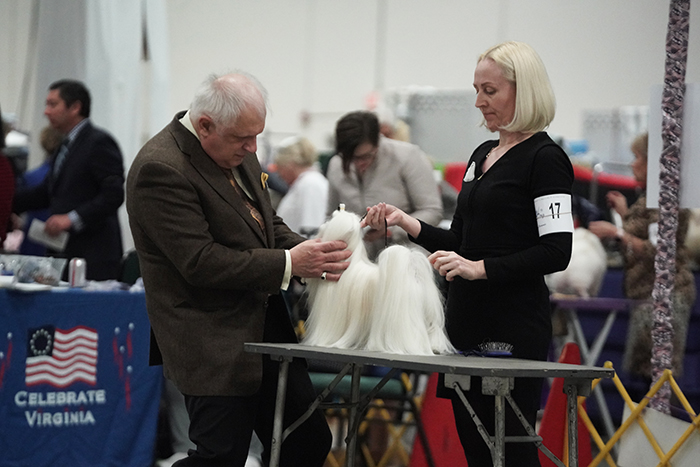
[469, 176]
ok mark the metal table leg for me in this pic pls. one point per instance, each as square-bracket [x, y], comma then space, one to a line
[574, 388]
[590, 356]
[279, 412]
[499, 388]
[355, 413]
[572, 412]
[599, 341]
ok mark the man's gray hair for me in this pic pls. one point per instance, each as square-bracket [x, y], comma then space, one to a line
[224, 97]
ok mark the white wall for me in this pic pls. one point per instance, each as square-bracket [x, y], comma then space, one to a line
[324, 57]
[320, 56]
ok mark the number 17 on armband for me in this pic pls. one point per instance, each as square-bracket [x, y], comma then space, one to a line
[554, 213]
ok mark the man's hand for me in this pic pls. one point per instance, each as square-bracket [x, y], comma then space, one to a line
[57, 224]
[312, 258]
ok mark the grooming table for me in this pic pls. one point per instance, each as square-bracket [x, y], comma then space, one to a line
[498, 378]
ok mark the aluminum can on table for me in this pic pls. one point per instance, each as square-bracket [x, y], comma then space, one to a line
[76, 272]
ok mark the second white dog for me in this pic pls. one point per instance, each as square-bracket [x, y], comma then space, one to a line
[584, 275]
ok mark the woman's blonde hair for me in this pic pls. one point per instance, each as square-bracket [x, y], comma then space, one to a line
[50, 139]
[640, 145]
[296, 150]
[535, 104]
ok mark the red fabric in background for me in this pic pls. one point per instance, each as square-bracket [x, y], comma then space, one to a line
[606, 180]
[454, 173]
[440, 430]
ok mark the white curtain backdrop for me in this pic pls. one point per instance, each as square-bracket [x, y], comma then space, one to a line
[103, 43]
[157, 88]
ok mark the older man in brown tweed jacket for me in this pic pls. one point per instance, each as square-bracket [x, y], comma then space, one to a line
[213, 256]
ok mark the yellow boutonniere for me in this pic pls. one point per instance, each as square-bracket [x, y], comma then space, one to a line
[263, 180]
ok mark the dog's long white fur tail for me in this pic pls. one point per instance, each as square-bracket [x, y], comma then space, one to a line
[408, 313]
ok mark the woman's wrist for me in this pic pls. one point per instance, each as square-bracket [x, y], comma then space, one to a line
[482, 269]
[629, 242]
[626, 240]
[410, 225]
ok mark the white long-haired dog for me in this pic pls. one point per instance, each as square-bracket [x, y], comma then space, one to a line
[394, 306]
[584, 275]
[339, 311]
[408, 316]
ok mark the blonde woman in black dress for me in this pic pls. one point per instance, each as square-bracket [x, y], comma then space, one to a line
[513, 225]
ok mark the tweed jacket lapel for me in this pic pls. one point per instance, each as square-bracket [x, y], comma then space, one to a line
[251, 171]
[214, 176]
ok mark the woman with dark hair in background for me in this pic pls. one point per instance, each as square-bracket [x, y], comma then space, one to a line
[370, 168]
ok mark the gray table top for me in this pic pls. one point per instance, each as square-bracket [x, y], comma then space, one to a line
[450, 364]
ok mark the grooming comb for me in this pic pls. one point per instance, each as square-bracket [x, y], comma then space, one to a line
[496, 349]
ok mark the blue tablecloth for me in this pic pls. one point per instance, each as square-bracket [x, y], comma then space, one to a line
[75, 385]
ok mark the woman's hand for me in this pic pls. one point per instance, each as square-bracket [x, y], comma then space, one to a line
[449, 264]
[604, 229]
[617, 202]
[382, 215]
[377, 214]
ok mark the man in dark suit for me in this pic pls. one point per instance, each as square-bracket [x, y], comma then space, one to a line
[214, 256]
[84, 186]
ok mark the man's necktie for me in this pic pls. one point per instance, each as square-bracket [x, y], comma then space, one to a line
[254, 212]
[60, 157]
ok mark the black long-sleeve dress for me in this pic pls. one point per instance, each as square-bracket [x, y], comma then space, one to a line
[496, 220]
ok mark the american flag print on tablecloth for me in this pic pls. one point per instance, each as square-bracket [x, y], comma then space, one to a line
[60, 358]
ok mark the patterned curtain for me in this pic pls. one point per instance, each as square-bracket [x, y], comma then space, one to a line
[669, 176]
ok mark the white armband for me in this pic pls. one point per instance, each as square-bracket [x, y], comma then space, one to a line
[554, 214]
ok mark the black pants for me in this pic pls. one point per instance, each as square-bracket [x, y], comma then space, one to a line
[221, 427]
[526, 393]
